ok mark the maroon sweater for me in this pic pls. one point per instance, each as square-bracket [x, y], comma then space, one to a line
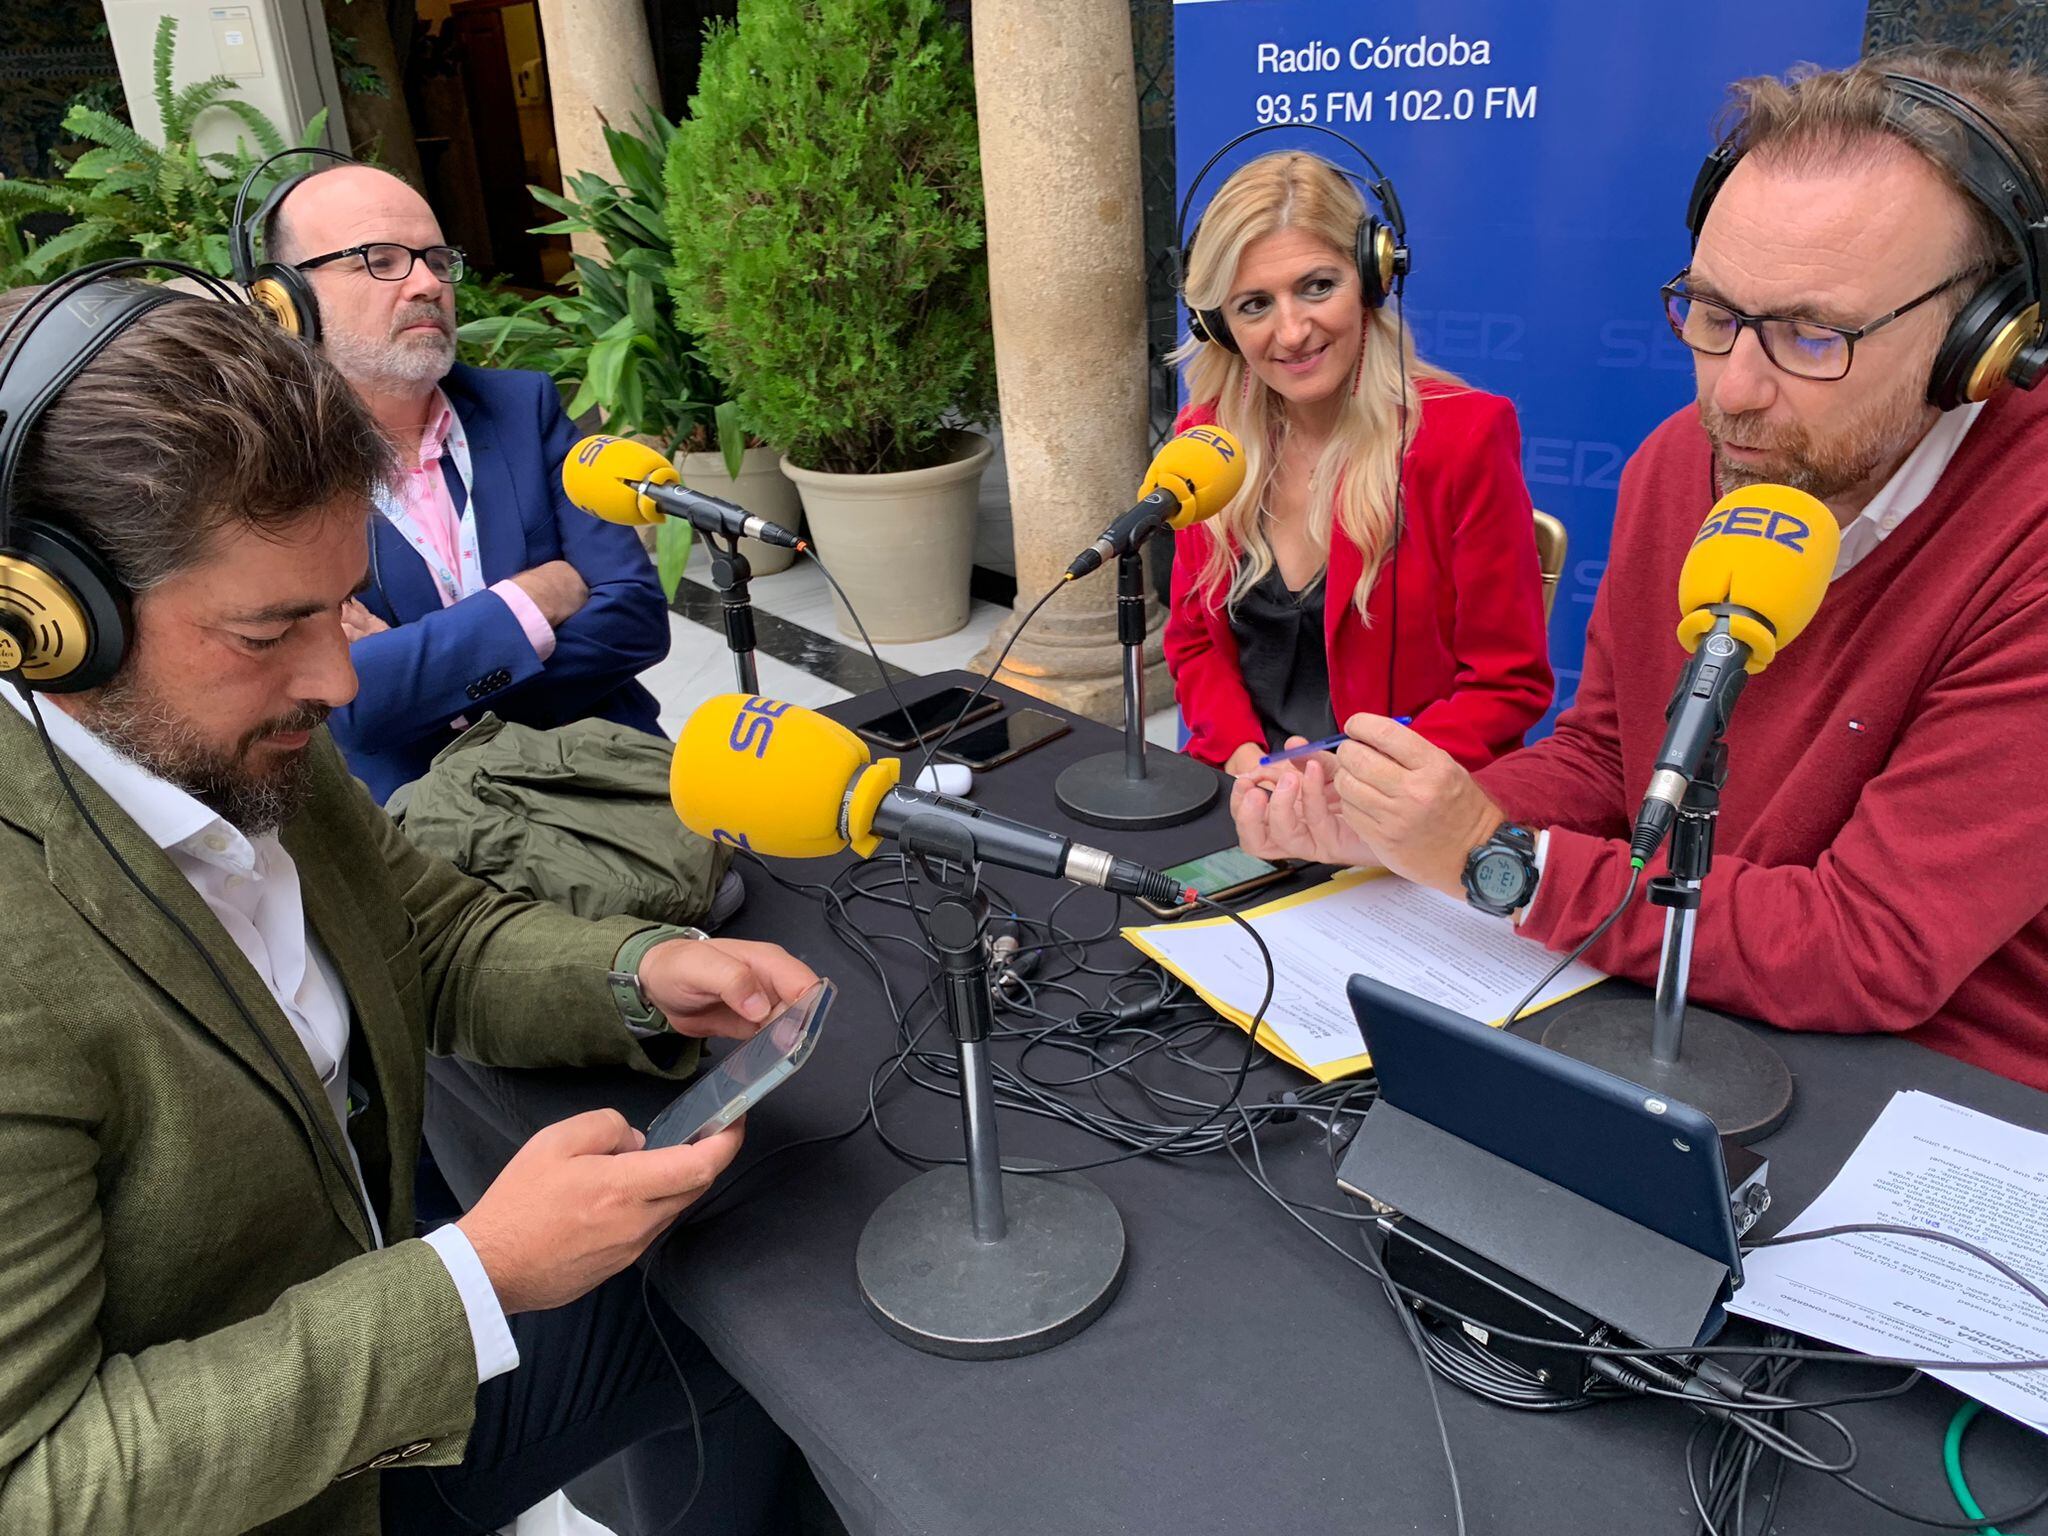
[1882, 856]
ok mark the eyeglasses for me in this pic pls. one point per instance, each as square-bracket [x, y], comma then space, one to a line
[392, 263]
[1807, 349]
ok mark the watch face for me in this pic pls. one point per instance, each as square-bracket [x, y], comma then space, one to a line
[1498, 877]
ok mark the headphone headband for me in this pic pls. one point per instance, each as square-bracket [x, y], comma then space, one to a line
[1381, 188]
[1990, 168]
[96, 303]
[243, 240]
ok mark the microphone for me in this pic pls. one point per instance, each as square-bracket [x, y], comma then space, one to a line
[1752, 582]
[1193, 476]
[785, 781]
[626, 482]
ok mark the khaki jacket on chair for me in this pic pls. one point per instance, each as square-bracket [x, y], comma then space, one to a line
[196, 1336]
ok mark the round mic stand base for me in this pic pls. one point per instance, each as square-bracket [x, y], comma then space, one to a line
[1099, 791]
[932, 1283]
[1134, 789]
[1726, 1072]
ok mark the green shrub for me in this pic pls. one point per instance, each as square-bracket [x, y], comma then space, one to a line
[825, 209]
[128, 197]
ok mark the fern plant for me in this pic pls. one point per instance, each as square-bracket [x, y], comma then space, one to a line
[614, 340]
[128, 197]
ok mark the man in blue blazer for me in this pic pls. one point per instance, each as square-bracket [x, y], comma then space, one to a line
[488, 590]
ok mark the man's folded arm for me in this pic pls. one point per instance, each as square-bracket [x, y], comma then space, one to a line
[415, 677]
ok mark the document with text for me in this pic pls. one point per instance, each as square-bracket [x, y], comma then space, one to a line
[1936, 1166]
[1369, 921]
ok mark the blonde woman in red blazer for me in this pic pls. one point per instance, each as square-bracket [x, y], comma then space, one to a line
[1296, 607]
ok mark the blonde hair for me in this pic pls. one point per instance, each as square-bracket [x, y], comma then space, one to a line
[1354, 484]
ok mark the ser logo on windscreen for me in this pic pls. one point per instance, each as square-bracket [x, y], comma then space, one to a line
[1759, 523]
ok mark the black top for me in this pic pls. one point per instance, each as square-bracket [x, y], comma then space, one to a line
[1280, 653]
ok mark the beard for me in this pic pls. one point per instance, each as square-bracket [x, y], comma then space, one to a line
[399, 359]
[1828, 468]
[139, 723]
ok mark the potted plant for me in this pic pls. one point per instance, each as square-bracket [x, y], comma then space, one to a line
[824, 206]
[613, 343]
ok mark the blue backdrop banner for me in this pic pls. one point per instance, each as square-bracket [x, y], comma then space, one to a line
[1542, 153]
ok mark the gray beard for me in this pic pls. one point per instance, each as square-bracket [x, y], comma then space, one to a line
[391, 365]
[140, 727]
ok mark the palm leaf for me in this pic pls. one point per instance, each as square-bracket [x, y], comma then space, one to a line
[315, 130]
[104, 128]
[89, 240]
[160, 68]
[268, 140]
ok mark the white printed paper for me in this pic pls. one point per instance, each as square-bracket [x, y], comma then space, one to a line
[1931, 1164]
[1406, 935]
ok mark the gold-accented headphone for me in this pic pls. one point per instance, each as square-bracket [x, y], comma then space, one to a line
[64, 614]
[1379, 249]
[277, 288]
[1998, 336]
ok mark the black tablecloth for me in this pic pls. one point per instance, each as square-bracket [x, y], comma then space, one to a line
[1246, 1379]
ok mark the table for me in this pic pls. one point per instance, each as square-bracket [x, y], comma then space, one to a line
[1246, 1379]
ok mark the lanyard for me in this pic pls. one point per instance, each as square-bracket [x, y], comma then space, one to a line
[468, 577]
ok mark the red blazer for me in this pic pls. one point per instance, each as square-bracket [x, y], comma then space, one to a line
[1472, 662]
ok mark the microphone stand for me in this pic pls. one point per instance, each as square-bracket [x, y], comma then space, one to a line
[730, 573]
[1131, 789]
[975, 1263]
[1730, 1073]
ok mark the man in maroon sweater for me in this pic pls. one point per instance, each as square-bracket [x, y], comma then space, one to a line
[1882, 853]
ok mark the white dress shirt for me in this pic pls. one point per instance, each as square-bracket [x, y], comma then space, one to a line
[1912, 483]
[252, 886]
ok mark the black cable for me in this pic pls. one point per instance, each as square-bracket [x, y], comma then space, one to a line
[1635, 874]
[881, 666]
[932, 744]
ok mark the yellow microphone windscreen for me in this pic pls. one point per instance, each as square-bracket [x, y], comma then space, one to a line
[757, 773]
[600, 474]
[1766, 548]
[1203, 466]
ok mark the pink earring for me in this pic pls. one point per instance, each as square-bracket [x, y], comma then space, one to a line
[1358, 373]
[1244, 388]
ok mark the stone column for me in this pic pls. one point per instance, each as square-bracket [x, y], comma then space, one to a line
[1058, 106]
[600, 61]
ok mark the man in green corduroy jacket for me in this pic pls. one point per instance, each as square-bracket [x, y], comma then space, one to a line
[221, 969]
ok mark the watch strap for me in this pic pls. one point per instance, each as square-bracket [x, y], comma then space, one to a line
[638, 1014]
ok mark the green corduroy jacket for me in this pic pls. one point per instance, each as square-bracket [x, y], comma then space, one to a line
[196, 1335]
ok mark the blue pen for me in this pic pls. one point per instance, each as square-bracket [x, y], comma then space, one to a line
[1311, 748]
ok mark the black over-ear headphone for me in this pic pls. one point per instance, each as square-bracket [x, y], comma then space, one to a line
[1997, 337]
[64, 614]
[279, 289]
[1380, 246]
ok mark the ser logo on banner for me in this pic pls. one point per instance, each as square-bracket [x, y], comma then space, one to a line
[1758, 523]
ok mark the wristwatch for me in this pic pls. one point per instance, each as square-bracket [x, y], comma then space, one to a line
[641, 1017]
[1500, 874]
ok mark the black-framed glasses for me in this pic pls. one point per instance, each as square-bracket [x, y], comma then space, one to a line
[1806, 349]
[390, 262]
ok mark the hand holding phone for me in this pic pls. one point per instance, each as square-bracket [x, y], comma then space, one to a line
[747, 1074]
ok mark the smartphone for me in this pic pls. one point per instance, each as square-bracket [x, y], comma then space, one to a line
[745, 1075]
[908, 727]
[1000, 740]
[1221, 876]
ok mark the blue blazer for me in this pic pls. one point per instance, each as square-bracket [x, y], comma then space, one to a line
[436, 664]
